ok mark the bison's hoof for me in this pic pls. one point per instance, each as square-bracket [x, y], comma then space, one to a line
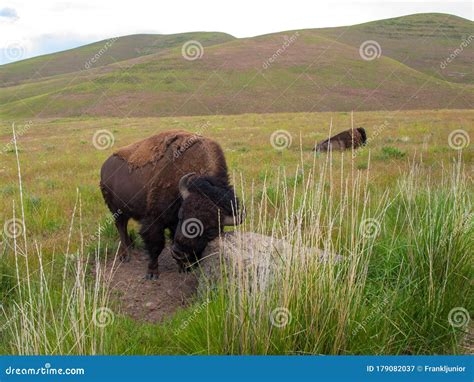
[151, 276]
[125, 258]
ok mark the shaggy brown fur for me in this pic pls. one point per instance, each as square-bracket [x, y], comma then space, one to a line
[141, 181]
[169, 145]
[343, 141]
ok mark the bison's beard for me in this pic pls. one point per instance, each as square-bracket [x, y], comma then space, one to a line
[185, 261]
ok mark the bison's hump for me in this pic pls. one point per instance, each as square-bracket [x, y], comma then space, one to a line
[151, 150]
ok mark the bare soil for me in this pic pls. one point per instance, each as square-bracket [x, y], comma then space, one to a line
[152, 300]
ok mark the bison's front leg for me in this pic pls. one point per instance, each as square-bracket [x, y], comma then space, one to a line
[154, 239]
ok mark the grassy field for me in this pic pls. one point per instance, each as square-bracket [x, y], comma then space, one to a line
[393, 294]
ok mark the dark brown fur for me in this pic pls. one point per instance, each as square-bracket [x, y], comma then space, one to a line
[141, 181]
[344, 140]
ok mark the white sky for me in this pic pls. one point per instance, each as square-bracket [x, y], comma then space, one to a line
[44, 26]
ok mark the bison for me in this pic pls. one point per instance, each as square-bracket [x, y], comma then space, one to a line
[345, 140]
[174, 180]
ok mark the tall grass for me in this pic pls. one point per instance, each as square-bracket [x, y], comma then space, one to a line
[55, 306]
[397, 262]
[406, 263]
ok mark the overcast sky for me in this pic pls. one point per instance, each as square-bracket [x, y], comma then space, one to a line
[31, 28]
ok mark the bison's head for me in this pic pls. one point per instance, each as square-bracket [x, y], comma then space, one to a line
[322, 146]
[208, 205]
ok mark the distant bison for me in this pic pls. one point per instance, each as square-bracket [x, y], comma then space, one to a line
[175, 180]
[345, 140]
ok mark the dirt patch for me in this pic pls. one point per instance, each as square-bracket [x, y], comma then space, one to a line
[148, 300]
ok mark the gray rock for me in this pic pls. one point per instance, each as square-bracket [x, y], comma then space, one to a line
[251, 258]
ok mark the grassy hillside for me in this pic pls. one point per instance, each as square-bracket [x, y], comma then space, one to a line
[294, 71]
[114, 50]
[422, 41]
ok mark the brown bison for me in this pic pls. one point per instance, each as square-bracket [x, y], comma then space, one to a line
[345, 140]
[175, 180]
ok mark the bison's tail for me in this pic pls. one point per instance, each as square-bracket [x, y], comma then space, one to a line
[362, 132]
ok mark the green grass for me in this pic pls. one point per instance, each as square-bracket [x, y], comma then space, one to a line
[389, 152]
[391, 294]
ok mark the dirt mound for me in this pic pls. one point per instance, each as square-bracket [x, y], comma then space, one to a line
[152, 300]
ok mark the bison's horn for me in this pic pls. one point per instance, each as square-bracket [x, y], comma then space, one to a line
[183, 185]
[230, 220]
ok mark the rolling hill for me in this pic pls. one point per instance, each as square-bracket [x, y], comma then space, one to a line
[114, 50]
[422, 42]
[305, 70]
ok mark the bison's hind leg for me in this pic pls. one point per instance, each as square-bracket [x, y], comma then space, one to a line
[121, 222]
